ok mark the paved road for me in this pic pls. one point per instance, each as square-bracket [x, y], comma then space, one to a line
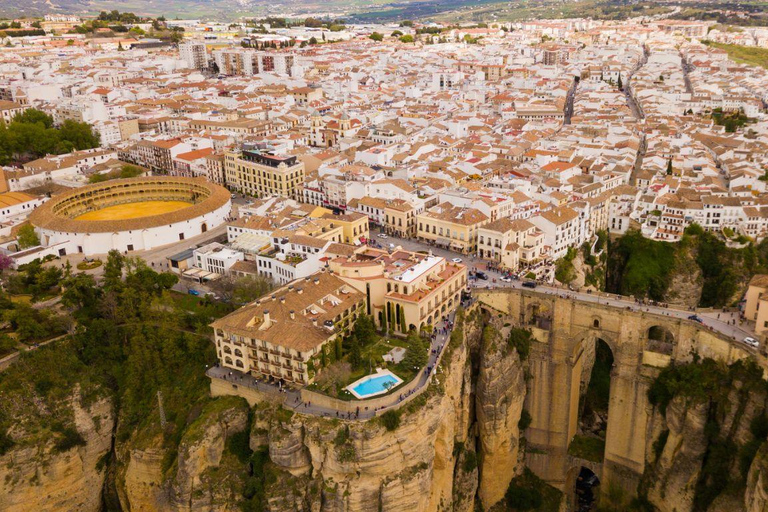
[636, 110]
[715, 320]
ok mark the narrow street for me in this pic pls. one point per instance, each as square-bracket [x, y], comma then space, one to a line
[568, 109]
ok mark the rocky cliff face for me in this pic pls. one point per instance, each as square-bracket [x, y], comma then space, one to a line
[205, 476]
[706, 447]
[500, 395]
[45, 478]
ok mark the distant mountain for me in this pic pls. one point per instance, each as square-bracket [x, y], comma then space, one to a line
[364, 10]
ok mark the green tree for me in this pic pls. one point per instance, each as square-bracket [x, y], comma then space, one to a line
[669, 167]
[80, 135]
[312, 40]
[355, 353]
[396, 33]
[27, 237]
[364, 330]
[620, 83]
[416, 353]
[32, 115]
[406, 38]
[113, 269]
[376, 36]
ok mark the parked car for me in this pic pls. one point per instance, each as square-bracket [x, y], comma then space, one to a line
[752, 342]
[481, 275]
[456, 260]
[530, 284]
[506, 279]
[382, 235]
[193, 292]
[696, 318]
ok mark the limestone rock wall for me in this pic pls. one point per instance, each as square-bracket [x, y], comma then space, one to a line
[204, 477]
[40, 478]
[499, 402]
[677, 469]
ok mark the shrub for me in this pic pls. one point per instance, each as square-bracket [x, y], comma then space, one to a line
[470, 461]
[238, 445]
[525, 420]
[520, 340]
[522, 498]
[70, 438]
[390, 419]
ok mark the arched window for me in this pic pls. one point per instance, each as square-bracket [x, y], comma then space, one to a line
[238, 352]
[228, 360]
[239, 363]
[227, 350]
[596, 323]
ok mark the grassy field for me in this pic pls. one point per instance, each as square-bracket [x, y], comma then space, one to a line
[743, 54]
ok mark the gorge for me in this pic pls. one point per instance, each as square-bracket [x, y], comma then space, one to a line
[684, 430]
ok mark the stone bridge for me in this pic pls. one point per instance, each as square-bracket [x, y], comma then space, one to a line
[642, 342]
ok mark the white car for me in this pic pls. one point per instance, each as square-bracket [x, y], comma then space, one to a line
[752, 342]
[382, 235]
[456, 260]
[506, 279]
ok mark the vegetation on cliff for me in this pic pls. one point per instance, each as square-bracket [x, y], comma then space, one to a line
[735, 398]
[645, 268]
[131, 341]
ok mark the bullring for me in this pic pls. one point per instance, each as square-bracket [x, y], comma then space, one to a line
[131, 214]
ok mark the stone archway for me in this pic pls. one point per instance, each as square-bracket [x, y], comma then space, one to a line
[660, 339]
[592, 361]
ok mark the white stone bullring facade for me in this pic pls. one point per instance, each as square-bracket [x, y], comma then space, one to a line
[56, 221]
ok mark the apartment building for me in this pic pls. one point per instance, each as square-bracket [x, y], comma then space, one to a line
[282, 336]
[194, 54]
[561, 229]
[403, 290]
[255, 170]
[9, 110]
[451, 226]
[215, 258]
[510, 243]
[249, 62]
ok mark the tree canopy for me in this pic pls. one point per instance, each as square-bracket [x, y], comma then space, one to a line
[32, 135]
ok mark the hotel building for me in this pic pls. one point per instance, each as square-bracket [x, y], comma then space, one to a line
[403, 290]
[282, 336]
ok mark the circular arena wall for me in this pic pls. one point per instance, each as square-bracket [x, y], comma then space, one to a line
[135, 214]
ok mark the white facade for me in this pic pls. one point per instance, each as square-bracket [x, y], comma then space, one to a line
[216, 258]
[135, 240]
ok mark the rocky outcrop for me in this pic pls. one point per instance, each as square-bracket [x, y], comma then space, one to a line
[205, 476]
[756, 495]
[42, 478]
[499, 403]
[677, 467]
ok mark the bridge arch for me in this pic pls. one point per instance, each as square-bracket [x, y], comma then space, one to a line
[659, 338]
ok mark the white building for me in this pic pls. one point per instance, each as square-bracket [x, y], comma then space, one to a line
[216, 258]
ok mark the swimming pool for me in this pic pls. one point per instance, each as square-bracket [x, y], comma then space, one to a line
[376, 384]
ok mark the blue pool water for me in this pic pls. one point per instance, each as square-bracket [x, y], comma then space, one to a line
[375, 385]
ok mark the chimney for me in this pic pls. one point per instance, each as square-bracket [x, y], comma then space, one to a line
[267, 321]
[293, 315]
[282, 300]
[317, 281]
[314, 322]
[299, 290]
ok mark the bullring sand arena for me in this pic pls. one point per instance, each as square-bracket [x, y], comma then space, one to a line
[134, 210]
[134, 214]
